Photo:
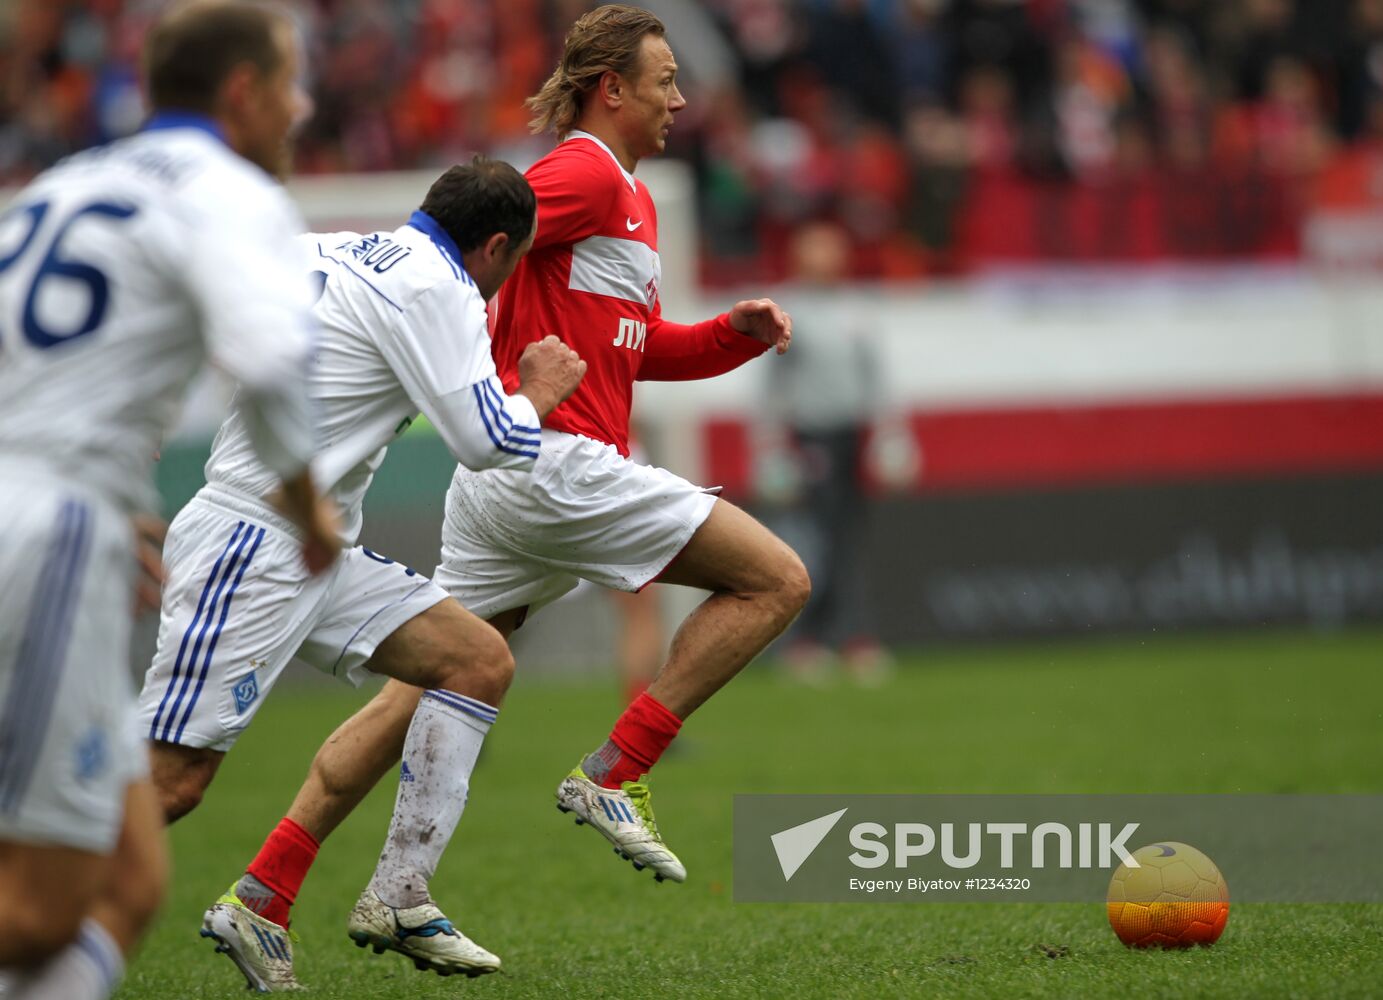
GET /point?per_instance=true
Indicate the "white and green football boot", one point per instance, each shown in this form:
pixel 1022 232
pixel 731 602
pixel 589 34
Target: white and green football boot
pixel 422 933
pixel 260 948
pixel 624 817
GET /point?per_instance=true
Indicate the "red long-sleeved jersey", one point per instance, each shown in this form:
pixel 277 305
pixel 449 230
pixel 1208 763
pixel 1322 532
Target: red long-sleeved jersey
pixel 592 279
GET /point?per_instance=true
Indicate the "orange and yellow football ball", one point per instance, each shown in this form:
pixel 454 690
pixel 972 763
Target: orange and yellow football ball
pixel 1174 899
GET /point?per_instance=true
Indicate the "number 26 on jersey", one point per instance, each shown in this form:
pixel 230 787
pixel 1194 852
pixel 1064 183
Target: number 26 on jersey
pixel 57 273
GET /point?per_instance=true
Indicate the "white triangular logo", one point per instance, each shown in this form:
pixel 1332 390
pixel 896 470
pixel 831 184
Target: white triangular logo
pixel 795 845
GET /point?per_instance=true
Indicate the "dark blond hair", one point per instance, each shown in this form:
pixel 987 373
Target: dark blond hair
pixel 607 40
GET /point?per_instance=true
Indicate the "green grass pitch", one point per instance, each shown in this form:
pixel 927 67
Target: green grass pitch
pixel 1266 713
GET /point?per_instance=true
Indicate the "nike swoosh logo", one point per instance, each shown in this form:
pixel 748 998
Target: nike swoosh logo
pixel 631 224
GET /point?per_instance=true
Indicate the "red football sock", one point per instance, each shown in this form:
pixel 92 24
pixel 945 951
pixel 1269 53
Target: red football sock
pixel 282 864
pixel 639 738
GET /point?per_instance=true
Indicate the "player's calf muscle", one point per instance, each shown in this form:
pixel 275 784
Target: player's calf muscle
pixel 370 740
pixel 353 759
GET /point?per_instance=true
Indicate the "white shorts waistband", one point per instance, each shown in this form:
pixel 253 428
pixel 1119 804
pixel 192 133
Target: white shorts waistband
pixel 245 505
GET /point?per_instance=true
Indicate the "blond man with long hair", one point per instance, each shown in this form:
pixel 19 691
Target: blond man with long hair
pixel 593 280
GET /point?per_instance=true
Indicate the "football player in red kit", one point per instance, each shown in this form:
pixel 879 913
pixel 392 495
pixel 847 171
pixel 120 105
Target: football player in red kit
pixel 592 279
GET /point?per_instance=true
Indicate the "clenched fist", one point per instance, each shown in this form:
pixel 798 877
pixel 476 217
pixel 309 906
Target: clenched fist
pixel 765 321
pixel 549 372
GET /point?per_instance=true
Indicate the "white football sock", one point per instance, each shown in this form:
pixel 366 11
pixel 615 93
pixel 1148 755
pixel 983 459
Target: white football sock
pixel 88 969
pixel 439 754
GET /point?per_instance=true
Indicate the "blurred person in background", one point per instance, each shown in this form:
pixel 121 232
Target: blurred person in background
pixel 827 394
pixel 122 270
pixel 642 642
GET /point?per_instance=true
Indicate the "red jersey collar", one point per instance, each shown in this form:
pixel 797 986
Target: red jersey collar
pixel 578 134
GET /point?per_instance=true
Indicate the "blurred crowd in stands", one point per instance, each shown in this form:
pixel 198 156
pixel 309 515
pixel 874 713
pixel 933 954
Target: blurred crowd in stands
pixel 938 132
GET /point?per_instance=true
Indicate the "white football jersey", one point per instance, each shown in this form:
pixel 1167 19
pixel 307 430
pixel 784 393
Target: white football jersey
pixel 121 270
pixel 402 329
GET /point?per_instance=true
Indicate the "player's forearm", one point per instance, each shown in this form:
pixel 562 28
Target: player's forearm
pixel 485 429
pixel 543 397
pixel 315 515
pixel 297 497
pixel 678 352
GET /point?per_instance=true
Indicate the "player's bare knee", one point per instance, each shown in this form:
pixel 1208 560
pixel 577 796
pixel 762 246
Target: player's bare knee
pixel 792 587
pixel 484 670
pixel 181 776
pixel 499 664
pixel 179 797
pixel 480 667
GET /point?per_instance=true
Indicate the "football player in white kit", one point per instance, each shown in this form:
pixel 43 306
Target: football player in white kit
pixel 121 270
pixel 403 329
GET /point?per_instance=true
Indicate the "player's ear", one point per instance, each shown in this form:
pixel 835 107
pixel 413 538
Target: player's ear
pixel 496 246
pixel 611 89
pixel 237 91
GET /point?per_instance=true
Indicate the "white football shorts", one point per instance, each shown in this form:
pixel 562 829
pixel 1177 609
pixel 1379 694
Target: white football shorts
pixel 238 606
pixel 585 512
pixel 68 745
